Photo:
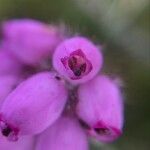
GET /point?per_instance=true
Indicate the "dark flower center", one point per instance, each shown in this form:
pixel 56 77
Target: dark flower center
pixel 77 64
pixel 102 131
pixel 6 131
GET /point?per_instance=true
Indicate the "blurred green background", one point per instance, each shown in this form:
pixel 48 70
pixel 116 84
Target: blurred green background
pixel 122 27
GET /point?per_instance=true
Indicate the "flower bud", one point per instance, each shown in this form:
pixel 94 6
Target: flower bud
pixel 8 63
pixel 30 40
pixel 7 84
pixel 34 105
pixel 24 143
pixel 64 134
pixel 100 106
pixel 77 59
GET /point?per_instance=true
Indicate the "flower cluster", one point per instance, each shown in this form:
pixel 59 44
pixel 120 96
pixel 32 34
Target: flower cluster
pixel 52 96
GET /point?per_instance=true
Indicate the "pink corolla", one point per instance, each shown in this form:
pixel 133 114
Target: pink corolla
pixel 29 40
pixel 24 143
pixel 8 63
pixel 34 105
pixel 100 107
pixel 65 134
pixel 77 59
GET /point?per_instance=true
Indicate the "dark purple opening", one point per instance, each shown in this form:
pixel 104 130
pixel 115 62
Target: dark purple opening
pixel 102 131
pixel 6 131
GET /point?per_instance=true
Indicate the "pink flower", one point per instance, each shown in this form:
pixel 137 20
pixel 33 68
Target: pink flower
pixel 64 134
pixel 100 107
pixel 29 40
pixel 35 100
pixel 34 105
pixel 77 59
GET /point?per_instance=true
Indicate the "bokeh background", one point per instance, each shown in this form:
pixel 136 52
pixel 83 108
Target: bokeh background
pixel 122 27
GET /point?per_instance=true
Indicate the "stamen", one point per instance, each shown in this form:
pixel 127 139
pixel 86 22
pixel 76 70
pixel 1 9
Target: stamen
pixel 72 62
pixel 77 72
pixel 77 65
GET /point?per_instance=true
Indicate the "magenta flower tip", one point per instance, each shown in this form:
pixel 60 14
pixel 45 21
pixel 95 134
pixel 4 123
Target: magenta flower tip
pixel 8 130
pixel 100 106
pixel 105 133
pixel 77 59
pixel 34 105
